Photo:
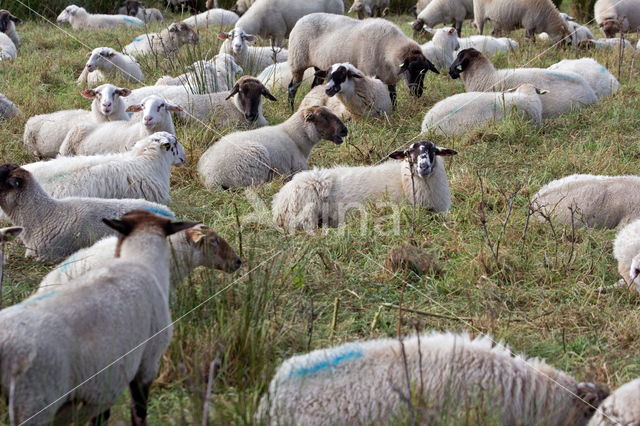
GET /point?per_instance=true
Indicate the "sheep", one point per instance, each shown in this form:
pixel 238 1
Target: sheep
pixel 606 43
pixel 7 48
pixel 577 33
pixel 440 50
pixel 488 45
pixel 622 407
pixel 253 157
pixel 44 134
pixel 216 75
pixel 79 19
pixel 67 356
pixel 536 16
pixel 165 43
pixel 193 247
pixel 567 90
pixel 212 18
pixel 601 80
pixel 102 138
pixel 446 375
pixel 375 46
pixel 277 76
pixel 140 11
pixel 105 63
pixel 251 58
pixel 617 16
pixel 589 201
pixel 8 110
pixel 626 250
pixel 350 94
pixel 375 8
pixel 322 197
pixel 8 26
pixel 241 6
pixel 463 112
pixel 452 12
pixel 55 228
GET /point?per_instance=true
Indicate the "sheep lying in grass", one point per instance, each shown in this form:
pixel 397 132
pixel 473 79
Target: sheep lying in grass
pixel 55 228
pixel 622 407
pixel 216 18
pixel 256 156
pixel 44 134
pixel 606 43
pixel 601 80
pixel 55 347
pixel 79 19
pixel 463 112
pixel 216 75
pixel 322 197
pixel 8 110
pixel 626 250
pixel 165 43
pixel 8 27
pixel 444 375
pixel 137 9
pixel 8 50
pixel 617 16
pixel 567 90
pixel 590 201
pixel 452 12
pixel 251 58
pixel 374 8
pixel 277 76
pixel 440 50
pixel 105 63
pixel 488 45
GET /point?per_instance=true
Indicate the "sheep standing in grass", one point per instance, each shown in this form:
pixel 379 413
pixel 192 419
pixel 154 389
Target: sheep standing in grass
pixel 105 64
pixel 216 18
pixel 165 43
pixel 374 8
pixel 488 45
pixel 257 156
pixel 137 9
pixel 277 76
pixel 216 75
pixel 79 19
pixel 452 12
pixel 8 26
pixel 322 197
pixel 601 80
pixel 567 90
pixel 622 407
pixel 446 376
pixel 440 50
pixel 251 58
pixel 617 16
pixel 589 201
pixel 8 110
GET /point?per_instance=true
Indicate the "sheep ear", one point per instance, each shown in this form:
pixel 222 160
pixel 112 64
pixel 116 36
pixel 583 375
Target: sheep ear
pixel 268 95
pixel 135 108
pixel 173 28
pixel 8 234
pixel 452 30
pixel 173 227
pixel 308 116
pixel 352 74
pixel 398 155
pixel 121 226
pixel 223 36
pixel 172 108
pixel 196 236
pixel 122 92
pixel 166 145
pixel 250 38
pixel 431 67
pixel 234 90
pixel 89 54
pixel 15 19
pixel 541 91
pixel 445 152
pixel 89 94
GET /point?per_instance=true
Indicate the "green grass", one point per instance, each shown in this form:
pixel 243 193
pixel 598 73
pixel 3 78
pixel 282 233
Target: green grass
pixel 538 293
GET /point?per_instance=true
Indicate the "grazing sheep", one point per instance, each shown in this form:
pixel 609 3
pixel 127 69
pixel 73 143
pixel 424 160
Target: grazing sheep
pixel 374 8
pixel 105 64
pixel 622 407
pixel 617 16
pixel 350 94
pixel 67 356
pixel 463 112
pixel 277 76
pixel 606 43
pixel 241 6
pixel 79 19
pixel 55 228
pixel 448 376
pixel 8 26
pixel 193 247
pixel 601 80
pixel 8 110
pixel 535 16
pixel 256 156
pixel 590 201
pixel 567 90
pixel 217 18
pixel 440 50
pixel 375 46
pixel 452 12
pixel 488 45
pixel 8 50
pixel 165 43
pixel 216 75
pixel 251 58
pixel 137 9
pixel 119 136
pixel 626 250
pixel 44 134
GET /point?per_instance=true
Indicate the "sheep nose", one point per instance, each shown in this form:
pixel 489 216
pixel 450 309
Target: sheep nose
pixel 107 104
pixel 343 132
pixel 148 119
pixel 251 116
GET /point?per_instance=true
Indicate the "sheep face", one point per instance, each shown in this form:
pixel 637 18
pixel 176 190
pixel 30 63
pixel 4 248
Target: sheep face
pixel 422 157
pixel 414 67
pixel 183 33
pixel 68 12
pixel 107 95
pixel 155 110
pixel 7 20
pixel 610 27
pixel 211 250
pixel 249 91
pixel 589 397
pixel 340 79
pixel 131 7
pixel 327 125
pixel 238 38
pixel 13 181
pixel 464 59
pixel 100 58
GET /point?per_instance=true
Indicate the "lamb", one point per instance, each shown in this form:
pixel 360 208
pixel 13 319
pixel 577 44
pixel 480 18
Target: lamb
pixel 55 228
pixel 488 45
pixel 8 110
pixel 216 75
pixel 217 18
pixel 463 112
pixel 441 48
pixel 277 76
pixel 91 138
pixel 375 46
pixel 140 11
pixel 601 80
pixel 375 8
pixel 251 58
pixel 626 250
pixel 367 383
pixel 622 407
pixel 589 201
pixel 193 247
pixel 105 64
pixel 165 43
pixel 452 12
pixel 577 33
pixel 8 50
pixel 241 6
pixel 567 90
pixel 536 16
pixel 617 16
pixel 8 26
pixel 44 134
pixel 80 19
pixel 350 94
pixel 253 157
pixel 67 355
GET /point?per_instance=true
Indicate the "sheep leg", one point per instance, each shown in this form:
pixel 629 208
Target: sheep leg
pixel 102 418
pixel 139 398
pixel 458 26
pixel 296 80
pixel 393 94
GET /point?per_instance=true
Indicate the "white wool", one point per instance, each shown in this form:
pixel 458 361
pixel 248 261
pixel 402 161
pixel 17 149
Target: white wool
pixel 216 18
pixel 278 76
pixel 8 49
pixel 105 64
pixel 165 43
pixel 8 109
pixel 487 45
pixel 622 407
pixel 441 48
pixel 251 58
pixel 215 75
pixel 601 80
pixel 79 18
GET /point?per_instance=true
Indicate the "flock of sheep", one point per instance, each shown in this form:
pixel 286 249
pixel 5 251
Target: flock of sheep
pixel 97 200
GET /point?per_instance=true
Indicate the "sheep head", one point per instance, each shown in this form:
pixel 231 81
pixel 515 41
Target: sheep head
pixel 327 125
pixel 249 91
pixel 6 18
pixel 414 66
pixel 463 61
pixel 422 156
pixel 211 249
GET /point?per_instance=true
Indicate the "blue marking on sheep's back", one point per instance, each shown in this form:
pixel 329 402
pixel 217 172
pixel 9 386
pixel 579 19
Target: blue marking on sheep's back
pixel 326 363
pixel 37 298
pixel 563 76
pixel 161 212
pixel 139 38
pixel 67 264
pixel 456 110
pixel 132 21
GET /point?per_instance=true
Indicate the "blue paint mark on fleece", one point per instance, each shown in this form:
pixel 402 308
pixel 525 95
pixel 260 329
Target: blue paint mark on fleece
pixel 67 264
pixel 602 69
pixel 327 363
pixel 37 298
pixel 139 38
pixel 455 110
pixel 563 76
pixel 161 212
pixel 132 21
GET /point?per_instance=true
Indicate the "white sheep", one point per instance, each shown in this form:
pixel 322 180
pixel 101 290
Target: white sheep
pixel 577 34
pixel 217 18
pixel 350 94
pixel 452 12
pixel 215 75
pixel 447 376
pixel 322 197
pixel 488 45
pixel 257 156
pixel 601 80
pixel 79 18
pixel 622 407
pixel 66 354
pixel 440 50
pixel 374 8
pixel 589 201
pixel 8 110
pixel 8 49
pixel 616 43
pixel 241 6
pixel 137 9
pixel 253 59
pixel 626 250
pixel 44 134
pixel 464 112
pixel 8 26
pixel 617 16
pixel 165 43
pixel 119 136
pixel 567 90
pixel 56 228
pixel 277 76
pixel 105 63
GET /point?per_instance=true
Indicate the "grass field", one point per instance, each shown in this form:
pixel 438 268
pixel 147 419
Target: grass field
pixel 527 283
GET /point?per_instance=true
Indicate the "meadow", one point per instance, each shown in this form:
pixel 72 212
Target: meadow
pixel 531 284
